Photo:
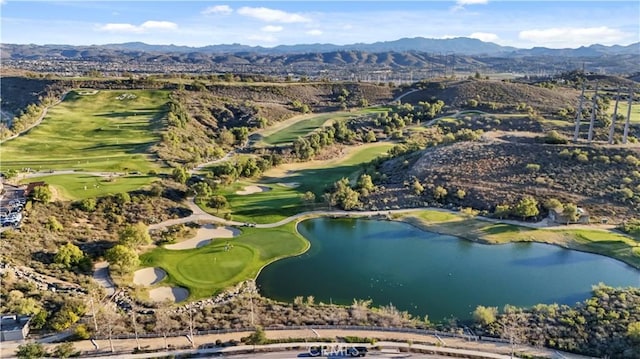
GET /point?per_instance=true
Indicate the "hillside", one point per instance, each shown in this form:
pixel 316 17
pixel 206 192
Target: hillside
pixel 502 96
pixel 501 171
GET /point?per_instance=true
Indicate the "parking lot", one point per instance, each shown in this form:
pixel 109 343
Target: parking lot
pixel 11 205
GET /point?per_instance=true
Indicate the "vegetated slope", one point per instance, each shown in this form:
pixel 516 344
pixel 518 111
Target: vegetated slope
pixel 505 95
pixel 218 117
pixel 19 92
pixel 604 181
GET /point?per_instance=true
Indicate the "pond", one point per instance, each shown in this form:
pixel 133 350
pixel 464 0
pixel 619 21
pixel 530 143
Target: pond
pixel 426 273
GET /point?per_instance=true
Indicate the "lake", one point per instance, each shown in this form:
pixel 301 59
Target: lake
pixel 428 273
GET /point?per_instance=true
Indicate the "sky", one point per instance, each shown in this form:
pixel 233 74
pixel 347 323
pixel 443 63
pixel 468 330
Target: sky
pixel 522 24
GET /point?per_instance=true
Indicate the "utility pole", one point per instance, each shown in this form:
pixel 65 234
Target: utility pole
pixel 628 121
pixel 594 110
pixel 613 118
pixel 576 133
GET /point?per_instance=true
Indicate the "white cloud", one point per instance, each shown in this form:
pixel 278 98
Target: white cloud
pixel 460 4
pixel 159 25
pixel 2 2
pixel 272 28
pixel 271 15
pixel 314 32
pixel 573 36
pixel 484 36
pixel 217 9
pixel 144 27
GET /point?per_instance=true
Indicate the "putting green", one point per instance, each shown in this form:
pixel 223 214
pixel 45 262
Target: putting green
pixel 209 269
pixel 205 269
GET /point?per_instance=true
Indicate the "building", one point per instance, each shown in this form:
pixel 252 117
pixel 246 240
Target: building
pixel 14 327
pixel 556 216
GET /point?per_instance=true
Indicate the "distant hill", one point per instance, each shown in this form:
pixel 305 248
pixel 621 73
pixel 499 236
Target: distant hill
pixel 459 45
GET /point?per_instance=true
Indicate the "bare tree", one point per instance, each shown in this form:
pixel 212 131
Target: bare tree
pixel 164 323
pixel 109 320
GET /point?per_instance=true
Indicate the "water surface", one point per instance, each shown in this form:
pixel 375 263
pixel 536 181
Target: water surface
pixel 427 273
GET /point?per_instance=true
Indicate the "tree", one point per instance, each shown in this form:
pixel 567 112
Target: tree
pixel 418 188
pixel 180 175
pixel 633 331
pixel 485 315
pixel 370 136
pixel 344 196
pixel 461 193
pixel 164 323
pixel 570 213
pixel 502 211
pixel 30 351
pixel 526 207
pixel 308 198
pixel 53 224
pixel 218 202
pixel 553 203
pixel 365 182
pixel 65 350
pixel 42 194
pixel 69 255
pixel 123 258
pixel 257 337
pixel 439 193
pixel 88 204
pixel 134 236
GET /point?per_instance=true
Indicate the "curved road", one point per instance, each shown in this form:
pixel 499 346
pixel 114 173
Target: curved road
pixel 200 215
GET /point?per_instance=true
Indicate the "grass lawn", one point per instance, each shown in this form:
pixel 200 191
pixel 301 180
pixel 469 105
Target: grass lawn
pixel 72 186
pixel 96 132
pixel 608 243
pixel 283 201
pixel 209 269
pixel 305 124
pixel 623 107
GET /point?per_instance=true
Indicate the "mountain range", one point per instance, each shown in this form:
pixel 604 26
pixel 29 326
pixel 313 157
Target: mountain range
pixel 458 46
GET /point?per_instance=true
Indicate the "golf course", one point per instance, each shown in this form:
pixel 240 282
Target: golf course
pixel 93 131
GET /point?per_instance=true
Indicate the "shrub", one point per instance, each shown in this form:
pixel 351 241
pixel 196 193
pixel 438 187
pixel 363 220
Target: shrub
pixel 555 138
pixel 532 167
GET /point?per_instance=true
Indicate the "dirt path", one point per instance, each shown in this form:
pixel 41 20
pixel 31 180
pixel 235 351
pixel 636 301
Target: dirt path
pixel 101 275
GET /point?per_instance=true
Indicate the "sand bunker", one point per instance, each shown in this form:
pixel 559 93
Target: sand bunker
pixel 253 189
pixel 204 236
pixel 174 294
pixel 148 276
pixel 290 184
pixel 87 93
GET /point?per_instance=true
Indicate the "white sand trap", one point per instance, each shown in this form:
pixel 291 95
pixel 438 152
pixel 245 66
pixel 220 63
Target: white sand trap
pixel 174 294
pixel 204 236
pixel 253 189
pixel 148 276
pixel 87 93
pixel 290 184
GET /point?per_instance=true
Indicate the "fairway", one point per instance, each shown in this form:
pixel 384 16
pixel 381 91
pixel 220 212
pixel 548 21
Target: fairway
pixel 623 107
pixel 300 126
pixel 105 131
pixel 210 269
pixel 81 186
pixel 284 201
pixel 303 127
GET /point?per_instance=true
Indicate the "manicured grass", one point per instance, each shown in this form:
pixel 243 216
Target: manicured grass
pixel 623 107
pixel 209 269
pixel 608 243
pixel 281 201
pixel 307 124
pixel 96 132
pixel 301 128
pixel 72 186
